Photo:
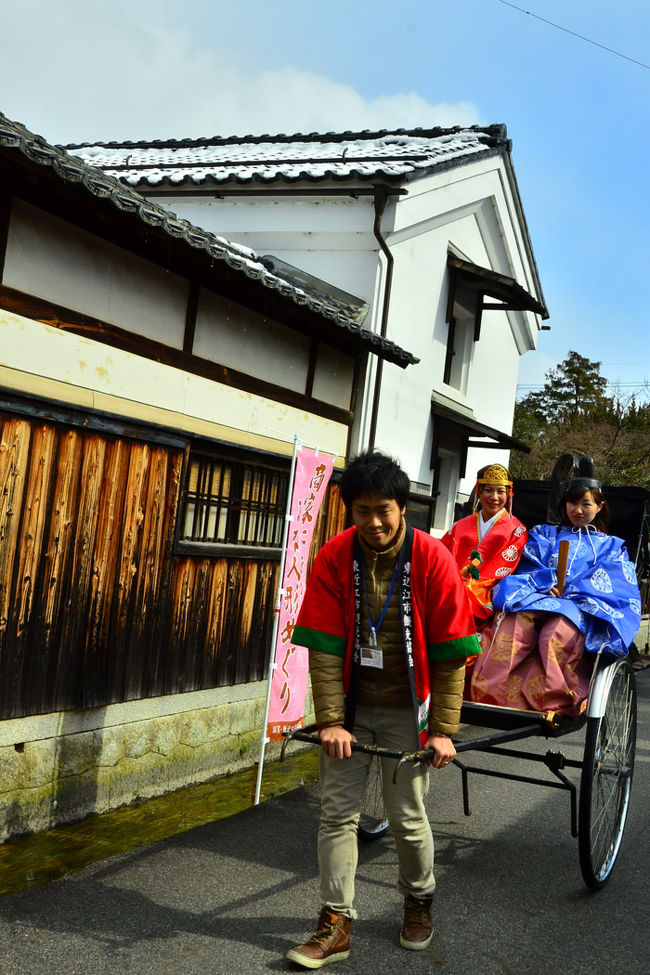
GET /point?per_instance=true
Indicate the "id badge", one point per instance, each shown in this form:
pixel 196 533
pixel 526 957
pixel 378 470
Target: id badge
pixel 372 657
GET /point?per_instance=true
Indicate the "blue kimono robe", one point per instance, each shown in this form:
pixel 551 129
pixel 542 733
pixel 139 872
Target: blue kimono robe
pixel 601 594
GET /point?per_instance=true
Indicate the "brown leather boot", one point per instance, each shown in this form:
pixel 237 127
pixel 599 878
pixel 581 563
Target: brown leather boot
pixel 331 942
pixel 417 927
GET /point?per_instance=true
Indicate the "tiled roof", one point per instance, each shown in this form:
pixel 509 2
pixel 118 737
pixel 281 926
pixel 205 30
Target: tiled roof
pixel 15 138
pixel 386 156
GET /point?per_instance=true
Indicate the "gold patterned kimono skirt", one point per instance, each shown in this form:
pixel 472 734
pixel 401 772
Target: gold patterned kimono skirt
pixel 534 661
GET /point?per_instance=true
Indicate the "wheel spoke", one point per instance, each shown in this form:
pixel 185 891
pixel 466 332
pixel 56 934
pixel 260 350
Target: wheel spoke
pixel 373 822
pixel 607 778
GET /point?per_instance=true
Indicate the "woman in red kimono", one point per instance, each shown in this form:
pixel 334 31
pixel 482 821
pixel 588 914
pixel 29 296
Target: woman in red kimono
pixel 487 545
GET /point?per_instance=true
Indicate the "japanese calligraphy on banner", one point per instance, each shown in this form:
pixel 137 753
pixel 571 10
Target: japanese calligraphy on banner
pixel 289 677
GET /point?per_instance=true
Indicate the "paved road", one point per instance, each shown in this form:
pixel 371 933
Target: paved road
pixel 232 896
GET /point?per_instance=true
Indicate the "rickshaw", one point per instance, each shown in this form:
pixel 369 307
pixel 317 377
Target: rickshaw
pixel 598 809
pixel 599 805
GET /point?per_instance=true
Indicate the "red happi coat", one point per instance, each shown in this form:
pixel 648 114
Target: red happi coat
pixel 437 622
pixel 500 551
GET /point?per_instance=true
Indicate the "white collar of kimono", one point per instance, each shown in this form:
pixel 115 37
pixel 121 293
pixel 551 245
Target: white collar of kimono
pixel 484 526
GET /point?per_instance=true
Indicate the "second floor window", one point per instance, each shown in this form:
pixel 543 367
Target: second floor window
pixel 460 342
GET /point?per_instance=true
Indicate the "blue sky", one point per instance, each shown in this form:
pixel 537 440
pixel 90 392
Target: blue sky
pixel 578 116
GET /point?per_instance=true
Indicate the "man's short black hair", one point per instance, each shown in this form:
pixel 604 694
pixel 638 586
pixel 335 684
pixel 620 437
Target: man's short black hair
pixel 374 473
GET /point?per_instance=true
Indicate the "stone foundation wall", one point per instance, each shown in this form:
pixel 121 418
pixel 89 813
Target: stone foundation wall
pixel 60 768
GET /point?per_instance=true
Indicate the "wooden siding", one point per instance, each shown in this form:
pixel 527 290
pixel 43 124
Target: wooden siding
pixel 94 606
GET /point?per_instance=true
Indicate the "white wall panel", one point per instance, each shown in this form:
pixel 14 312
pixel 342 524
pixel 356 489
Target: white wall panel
pixel 333 377
pixel 243 340
pixel 51 259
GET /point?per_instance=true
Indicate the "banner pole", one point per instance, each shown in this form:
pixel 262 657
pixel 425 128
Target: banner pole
pixel 297 444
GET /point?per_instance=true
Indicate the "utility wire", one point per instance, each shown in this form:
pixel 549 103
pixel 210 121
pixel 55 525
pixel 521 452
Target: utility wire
pixel 626 382
pixel 574 34
pixel 639 386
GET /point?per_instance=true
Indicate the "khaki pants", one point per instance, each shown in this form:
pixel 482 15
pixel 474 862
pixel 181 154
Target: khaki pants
pixel 342 786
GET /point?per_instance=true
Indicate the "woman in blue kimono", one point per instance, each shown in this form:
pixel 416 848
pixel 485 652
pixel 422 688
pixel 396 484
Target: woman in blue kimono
pixel 539 652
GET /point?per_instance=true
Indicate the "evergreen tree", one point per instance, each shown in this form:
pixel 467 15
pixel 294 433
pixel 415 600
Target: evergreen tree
pixel 572 415
pixel 574 388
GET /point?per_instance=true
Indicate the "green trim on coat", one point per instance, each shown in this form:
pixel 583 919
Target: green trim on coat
pixel 315 640
pixel 466 646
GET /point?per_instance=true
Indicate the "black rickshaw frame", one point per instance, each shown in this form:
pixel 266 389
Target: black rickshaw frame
pixel 598 810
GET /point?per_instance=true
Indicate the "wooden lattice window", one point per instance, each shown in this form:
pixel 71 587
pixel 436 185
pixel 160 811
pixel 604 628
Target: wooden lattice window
pixel 231 502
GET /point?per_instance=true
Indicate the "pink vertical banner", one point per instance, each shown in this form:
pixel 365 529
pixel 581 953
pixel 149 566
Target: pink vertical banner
pixel 290 672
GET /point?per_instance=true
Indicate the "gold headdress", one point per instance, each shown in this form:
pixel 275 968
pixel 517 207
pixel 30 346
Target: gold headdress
pixel 494 474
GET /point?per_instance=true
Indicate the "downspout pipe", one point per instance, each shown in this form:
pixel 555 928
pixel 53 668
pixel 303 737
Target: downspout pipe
pixel 381 195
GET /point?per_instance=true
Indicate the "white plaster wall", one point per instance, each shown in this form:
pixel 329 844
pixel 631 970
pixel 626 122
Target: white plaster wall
pixel 418 316
pixel 330 238
pixel 241 339
pixel 54 260
pixel 45 361
pixel 333 377
pixel 483 190
pixel 472 207
pixel 478 222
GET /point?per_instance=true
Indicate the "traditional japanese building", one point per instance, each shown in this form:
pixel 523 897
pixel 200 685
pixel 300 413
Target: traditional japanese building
pixel 424 229
pixel 153 377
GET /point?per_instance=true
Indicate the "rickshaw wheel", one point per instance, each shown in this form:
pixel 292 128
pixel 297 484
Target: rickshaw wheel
pixel 606 779
pixel 373 822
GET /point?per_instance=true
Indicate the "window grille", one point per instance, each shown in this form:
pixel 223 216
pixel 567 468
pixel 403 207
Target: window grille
pixel 230 502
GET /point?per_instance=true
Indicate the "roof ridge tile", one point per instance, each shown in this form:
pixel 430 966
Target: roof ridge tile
pixel 497 130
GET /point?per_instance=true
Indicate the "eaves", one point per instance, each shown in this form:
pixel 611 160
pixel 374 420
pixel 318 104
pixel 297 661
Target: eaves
pixel 26 156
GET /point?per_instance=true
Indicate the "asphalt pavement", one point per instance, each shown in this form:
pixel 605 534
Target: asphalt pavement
pixel 233 896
